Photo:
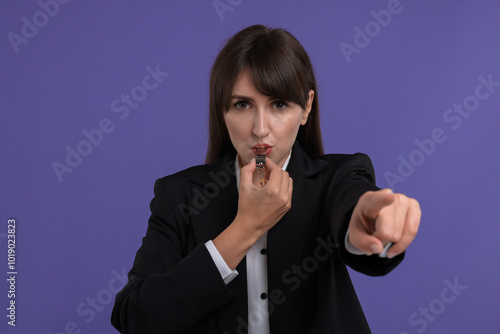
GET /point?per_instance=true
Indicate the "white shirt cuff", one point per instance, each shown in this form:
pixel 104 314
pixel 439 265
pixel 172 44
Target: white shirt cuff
pixel 227 274
pixel 350 248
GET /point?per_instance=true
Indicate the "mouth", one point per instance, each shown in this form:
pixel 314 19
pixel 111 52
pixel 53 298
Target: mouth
pixel 263 149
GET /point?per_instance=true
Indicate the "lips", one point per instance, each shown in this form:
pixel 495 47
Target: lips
pixel 262 149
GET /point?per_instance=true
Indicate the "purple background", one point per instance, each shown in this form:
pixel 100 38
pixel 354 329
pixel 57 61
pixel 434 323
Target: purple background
pixel 74 236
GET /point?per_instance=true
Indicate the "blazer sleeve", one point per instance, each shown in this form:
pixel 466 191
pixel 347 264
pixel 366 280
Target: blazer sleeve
pixel 356 176
pixel 171 287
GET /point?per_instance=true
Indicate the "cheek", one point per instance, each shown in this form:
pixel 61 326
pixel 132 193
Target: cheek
pixel 235 126
pixel 288 127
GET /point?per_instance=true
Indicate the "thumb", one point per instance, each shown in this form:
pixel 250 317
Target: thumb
pixel 365 242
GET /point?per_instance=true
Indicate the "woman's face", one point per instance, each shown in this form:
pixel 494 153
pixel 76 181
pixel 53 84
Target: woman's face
pixel 258 124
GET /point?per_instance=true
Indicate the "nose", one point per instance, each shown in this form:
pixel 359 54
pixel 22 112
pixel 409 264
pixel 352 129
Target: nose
pixel 261 123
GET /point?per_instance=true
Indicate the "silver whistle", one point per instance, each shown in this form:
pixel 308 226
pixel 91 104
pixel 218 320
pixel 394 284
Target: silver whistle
pixel 260 161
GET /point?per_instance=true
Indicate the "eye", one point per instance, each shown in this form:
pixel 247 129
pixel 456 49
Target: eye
pixel 241 105
pixel 280 105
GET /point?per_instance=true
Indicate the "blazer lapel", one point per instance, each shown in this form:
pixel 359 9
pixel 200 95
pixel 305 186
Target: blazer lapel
pixel 215 196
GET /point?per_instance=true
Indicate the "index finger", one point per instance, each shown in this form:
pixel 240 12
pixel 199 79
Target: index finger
pixel 274 173
pixel 270 167
pixel 372 202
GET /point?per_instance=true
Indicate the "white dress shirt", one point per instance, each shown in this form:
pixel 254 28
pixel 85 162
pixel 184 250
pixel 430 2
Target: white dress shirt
pixel 256 260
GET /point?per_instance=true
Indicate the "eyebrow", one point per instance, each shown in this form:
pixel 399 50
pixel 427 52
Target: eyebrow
pixel 241 97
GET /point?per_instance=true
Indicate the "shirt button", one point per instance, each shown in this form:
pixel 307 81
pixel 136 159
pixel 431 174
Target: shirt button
pixel 263 251
pixel 263 295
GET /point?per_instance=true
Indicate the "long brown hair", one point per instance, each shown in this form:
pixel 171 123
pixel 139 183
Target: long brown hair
pixel 279 67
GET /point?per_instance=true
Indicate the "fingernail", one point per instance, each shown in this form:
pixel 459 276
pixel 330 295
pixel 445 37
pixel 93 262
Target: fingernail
pixel 376 248
pixel 390 255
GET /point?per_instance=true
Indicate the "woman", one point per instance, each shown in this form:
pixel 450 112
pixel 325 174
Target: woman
pixel 226 252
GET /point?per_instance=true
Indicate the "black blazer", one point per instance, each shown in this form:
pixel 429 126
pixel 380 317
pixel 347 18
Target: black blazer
pixel 175 287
